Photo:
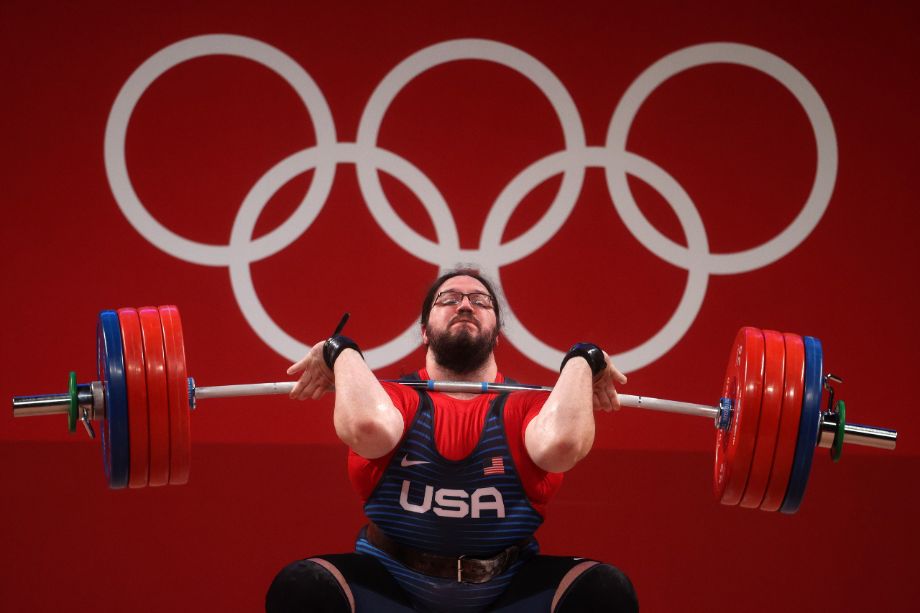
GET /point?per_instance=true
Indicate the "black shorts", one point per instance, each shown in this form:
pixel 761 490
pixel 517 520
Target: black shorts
pixel 307 586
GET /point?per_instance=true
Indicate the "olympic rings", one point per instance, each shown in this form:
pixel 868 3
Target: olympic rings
pixel 491 254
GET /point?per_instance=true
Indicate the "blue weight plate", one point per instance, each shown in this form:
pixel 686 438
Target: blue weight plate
pixel 111 367
pixel 808 426
pixel 101 360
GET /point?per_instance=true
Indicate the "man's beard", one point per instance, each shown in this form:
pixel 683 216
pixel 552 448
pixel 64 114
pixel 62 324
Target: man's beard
pixel 461 352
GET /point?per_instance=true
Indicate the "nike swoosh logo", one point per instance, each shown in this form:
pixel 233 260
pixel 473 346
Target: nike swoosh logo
pixel 407 462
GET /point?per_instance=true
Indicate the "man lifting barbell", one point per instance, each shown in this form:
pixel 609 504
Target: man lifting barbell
pixel 455 484
pixel 434 528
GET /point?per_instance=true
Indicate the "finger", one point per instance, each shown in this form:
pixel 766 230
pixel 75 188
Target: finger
pixel 611 403
pixel 303 384
pixel 618 376
pixel 306 392
pixel 614 399
pixel 603 399
pixel 298 366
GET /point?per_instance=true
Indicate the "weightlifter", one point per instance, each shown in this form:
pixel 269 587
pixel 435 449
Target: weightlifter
pixel 455 485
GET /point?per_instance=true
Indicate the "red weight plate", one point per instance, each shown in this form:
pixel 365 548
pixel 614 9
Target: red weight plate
pixel 136 380
pixel 788 424
pixel 770 410
pixel 180 451
pixel 157 395
pixel 744 386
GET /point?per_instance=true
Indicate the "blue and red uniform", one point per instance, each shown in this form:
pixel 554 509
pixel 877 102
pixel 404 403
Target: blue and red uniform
pixel 457 426
pixel 460 483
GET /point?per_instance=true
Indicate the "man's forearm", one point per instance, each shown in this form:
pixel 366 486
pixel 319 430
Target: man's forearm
pixel 563 432
pixel 365 418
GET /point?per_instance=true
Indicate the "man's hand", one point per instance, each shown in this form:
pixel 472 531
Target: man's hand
pixel 316 379
pixel 604 387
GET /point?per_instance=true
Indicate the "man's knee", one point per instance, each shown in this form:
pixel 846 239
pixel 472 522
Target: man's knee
pixel 307 585
pixel 601 587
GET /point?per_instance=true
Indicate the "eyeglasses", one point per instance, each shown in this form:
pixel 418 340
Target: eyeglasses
pixel 453 298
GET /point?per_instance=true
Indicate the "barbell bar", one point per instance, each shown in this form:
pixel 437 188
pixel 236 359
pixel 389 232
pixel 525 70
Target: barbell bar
pixel 866 436
pixel 768 420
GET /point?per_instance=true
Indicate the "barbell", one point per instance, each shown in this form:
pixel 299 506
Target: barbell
pixel 768 421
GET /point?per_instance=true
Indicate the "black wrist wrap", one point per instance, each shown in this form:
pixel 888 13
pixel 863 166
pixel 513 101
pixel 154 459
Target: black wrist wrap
pixel 336 345
pixel 590 352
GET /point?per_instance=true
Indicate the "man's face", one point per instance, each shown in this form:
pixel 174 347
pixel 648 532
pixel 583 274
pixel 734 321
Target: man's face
pixel 461 336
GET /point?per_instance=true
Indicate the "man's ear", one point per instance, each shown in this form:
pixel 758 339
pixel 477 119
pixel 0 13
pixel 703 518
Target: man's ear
pixel 424 335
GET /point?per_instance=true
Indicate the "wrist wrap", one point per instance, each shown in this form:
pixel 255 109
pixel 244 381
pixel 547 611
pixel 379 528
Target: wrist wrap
pixel 335 345
pixel 590 352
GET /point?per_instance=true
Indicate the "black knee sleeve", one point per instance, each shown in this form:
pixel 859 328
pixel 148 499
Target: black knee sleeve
pixel 305 586
pixel 600 588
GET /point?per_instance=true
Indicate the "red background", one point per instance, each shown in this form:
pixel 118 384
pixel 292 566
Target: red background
pixel 268 478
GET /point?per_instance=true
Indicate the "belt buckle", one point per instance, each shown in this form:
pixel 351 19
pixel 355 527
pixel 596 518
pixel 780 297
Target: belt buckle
pixel 460 568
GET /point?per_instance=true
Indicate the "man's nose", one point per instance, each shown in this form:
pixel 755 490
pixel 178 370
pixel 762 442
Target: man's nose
pixel 465 304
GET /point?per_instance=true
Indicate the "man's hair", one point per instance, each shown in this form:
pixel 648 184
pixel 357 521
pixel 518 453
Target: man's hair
pixel 460 272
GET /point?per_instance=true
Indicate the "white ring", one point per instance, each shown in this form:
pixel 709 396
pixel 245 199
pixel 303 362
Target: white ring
pixel 693 228
pixel 419 62
pixel 256 200
pixel 804 92
pixel 117 127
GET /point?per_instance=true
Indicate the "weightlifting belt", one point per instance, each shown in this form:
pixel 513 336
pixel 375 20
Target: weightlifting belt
pixel 462 568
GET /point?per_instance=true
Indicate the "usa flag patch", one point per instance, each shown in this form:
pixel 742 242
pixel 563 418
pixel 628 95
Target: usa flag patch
pixel 495 466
